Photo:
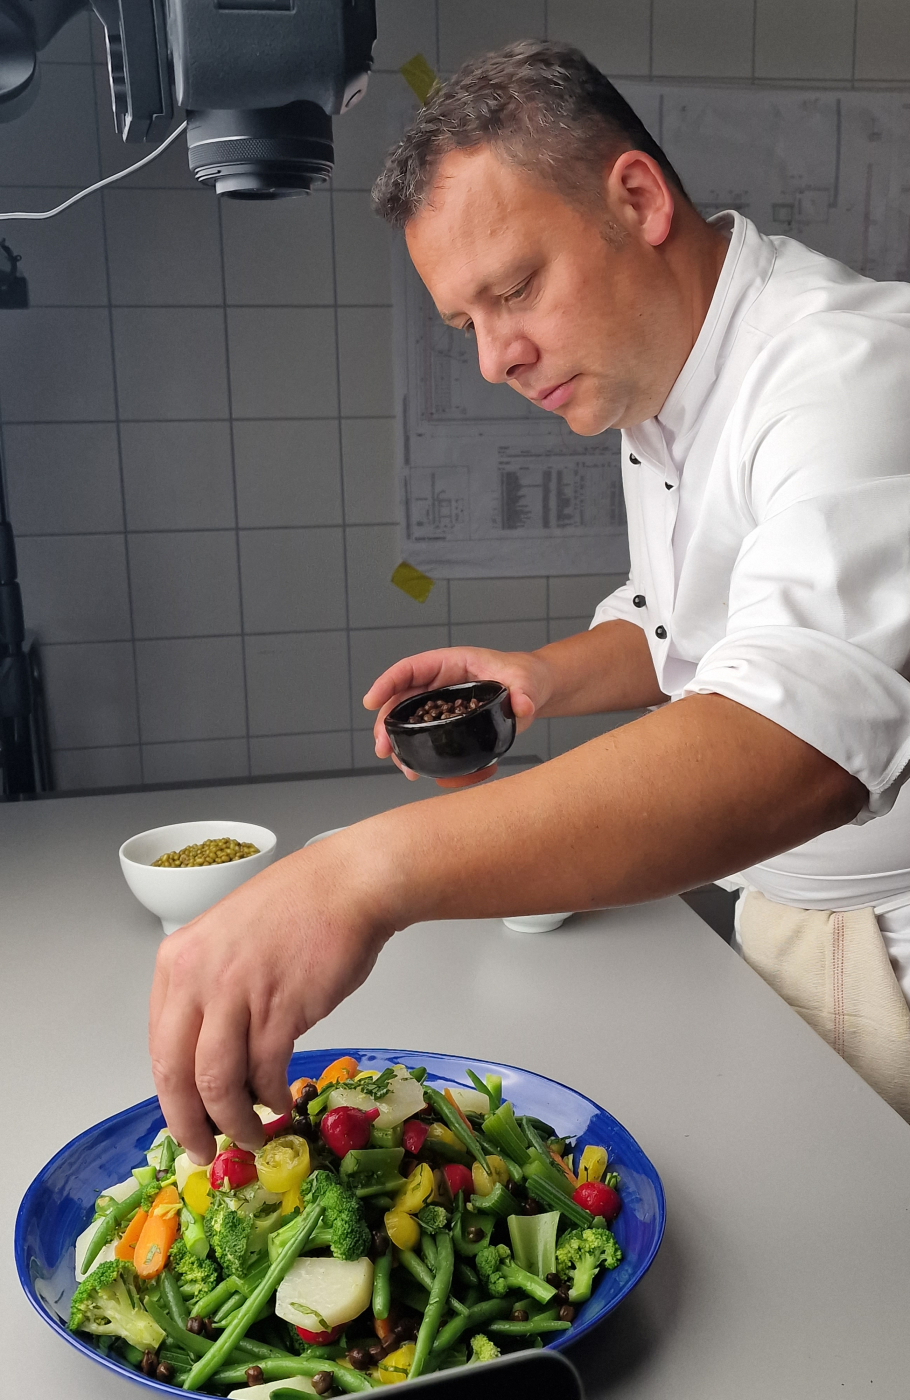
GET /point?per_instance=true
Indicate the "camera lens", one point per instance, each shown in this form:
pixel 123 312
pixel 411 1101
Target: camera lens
pixel 261 153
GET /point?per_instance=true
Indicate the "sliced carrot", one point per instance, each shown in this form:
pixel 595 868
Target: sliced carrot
pixel 158 1233
pixel 562 1166
pixel 450 1098
pixel 126 1245
pixel 382 1326
pixel 337 1071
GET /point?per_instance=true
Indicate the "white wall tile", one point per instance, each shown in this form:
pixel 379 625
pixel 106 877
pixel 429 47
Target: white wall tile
pixel 62 477
pixel 800 40
pixel 497 599
pixel 282 362
pixel 403 28
pixel 614 34
pixel 55 365
pixel 373 600
pixel 91 694
pixel 74 587
pixel 882 40
pixel 570 731
pixel 78 769
pixel 298 682
pixel 468 28
pixel 299 753
pixel 365 359
pixel 54 142
pixel 185 584
pixel 571 597
pixel 364 135
pixel 702 38
pixel 293 580
pixel 288 472
pixel 370 471
pixel 278 252
pixel 500 636
pixel 177 476
pixel 200 760
pixel 62 258
pixel 191 689
pixel 163 247
pixel 363 248
pixel 374 651
pixel 170 362
pixel 71 45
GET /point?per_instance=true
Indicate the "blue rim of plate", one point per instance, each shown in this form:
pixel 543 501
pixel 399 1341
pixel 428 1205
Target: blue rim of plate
pixel 622 1148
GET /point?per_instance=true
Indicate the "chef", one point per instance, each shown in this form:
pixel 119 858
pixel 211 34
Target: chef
pixel 761 390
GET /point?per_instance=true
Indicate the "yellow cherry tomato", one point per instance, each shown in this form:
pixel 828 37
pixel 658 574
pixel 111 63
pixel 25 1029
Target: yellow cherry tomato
pixel 196 1191
pixel 417 1190
pixel 283 1163
pixel 445 1144
pixel 395 1367
pixel 402 1229
pixel 483 1181
pixel 593 1164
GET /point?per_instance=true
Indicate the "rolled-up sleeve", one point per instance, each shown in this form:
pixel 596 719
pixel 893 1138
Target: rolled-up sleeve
pixel 618 605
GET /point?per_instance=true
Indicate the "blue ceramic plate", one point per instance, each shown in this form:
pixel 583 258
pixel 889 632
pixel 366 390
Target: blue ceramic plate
pixel 59 1203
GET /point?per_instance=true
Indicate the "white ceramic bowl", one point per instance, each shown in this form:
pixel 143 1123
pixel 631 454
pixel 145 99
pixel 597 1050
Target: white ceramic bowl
pixel 179 894
pixel 536 923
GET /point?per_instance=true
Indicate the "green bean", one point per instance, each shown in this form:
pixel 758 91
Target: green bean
pixel 492 1150
pixel 168 1155
pixel 233 1303
pixel 416 1268
pixel 251 1281
pixel 465 1274
pixel 173 1298
pixel 428 1249
pixel 210 1304
pixel 381 1293
pixel 244 1316
pixel 477 1316
pixel 531 1328
pixel 454 1121
pixel 410 1293
pixel 419 1074
pixel 107 1226
pixel 439 1293
pixel 188 1340
pixel 273 1369
pixel 131 1354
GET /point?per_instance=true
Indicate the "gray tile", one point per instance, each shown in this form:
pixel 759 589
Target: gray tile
pixel 882 41
pixel 72 44
pixel 571 597
pixel 76 770
pixel 614 34
pixel 364 135
pixel 191 689
pixel 299 753
pixel 298 683
pixel 278 253
pixel 362 252
pixel 468 28
pixel 62 477
pixel 91 694
pixel 404 27
pixel 74 587
pixel 62 258
pixel 703 38
pixel 370 471
pixel 293 580
pixel 374 651
pixel 792 43
pixel 365 757
pixel 54 142
pixel 185 584
pixel 365 361
pixel 170 362
pixel 55 365
pixel 562 627
pixel 283 362
pixel 501 636
pixel 497 599
pixel 374 551
pixel 531 743
pixel 200 760
pixel 170 170
pixel 570 731
pixel 288 472
pixel 177 476
pixel 163 247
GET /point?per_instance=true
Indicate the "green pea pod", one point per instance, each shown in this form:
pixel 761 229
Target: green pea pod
pixel 382 1296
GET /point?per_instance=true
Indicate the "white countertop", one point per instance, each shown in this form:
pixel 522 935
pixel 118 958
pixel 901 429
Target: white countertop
pixel 785 1268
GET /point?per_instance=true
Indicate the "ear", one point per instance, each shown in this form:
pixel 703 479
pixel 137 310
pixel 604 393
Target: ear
pixel 638 192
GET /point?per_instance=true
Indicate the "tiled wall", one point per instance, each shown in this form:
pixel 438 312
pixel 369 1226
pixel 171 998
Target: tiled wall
pixel 197 408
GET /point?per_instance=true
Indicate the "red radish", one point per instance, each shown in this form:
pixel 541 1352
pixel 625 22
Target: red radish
pixel 274 1127
pixel 598 1199
pixel 458 1177
pixel 233 1168
pixel 320 1339
pixel 414 1135
pixel 345 1129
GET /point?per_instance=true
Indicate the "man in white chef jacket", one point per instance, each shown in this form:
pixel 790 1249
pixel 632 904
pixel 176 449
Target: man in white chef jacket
pixel 762 394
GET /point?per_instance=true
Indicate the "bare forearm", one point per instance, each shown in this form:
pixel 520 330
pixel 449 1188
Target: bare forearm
pixel 607 668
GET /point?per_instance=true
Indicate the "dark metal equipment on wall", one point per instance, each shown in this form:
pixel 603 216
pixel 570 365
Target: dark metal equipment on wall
pixel 24 751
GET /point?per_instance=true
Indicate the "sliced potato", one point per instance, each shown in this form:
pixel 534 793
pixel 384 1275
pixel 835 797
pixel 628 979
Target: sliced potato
pixel 261 1392
pixel 104 1257
pixel 319 1293
pixel 471 1101
pixel 403 1099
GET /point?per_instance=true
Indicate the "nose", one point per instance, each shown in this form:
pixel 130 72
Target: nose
pixel 503 355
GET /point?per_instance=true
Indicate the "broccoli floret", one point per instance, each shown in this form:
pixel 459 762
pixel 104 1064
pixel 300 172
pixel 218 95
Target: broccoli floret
pixel 107 1304
pixel 434 1219
pixel 228 1232
pixel 500 1275
pixel 198 1274
pixel 580 1253
pixel 482 1349
pixel 343 1214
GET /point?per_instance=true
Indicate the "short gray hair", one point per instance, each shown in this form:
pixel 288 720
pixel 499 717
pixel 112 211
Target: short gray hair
pixel 543 106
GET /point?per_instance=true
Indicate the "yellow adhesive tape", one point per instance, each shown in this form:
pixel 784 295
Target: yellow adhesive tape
pixel 418 75
pixel 411 581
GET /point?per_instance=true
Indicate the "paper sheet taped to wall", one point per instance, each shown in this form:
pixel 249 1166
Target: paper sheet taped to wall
pixel 492 486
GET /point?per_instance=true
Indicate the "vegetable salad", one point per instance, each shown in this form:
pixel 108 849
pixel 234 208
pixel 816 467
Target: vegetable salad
pixel 387 1229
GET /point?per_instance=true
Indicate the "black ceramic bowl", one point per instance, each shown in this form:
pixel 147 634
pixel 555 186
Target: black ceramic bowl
pixel 451 748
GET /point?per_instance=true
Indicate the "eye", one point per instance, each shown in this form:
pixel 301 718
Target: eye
pixel 518 293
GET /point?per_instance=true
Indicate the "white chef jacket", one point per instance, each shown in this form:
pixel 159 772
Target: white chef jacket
pixel 769 532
